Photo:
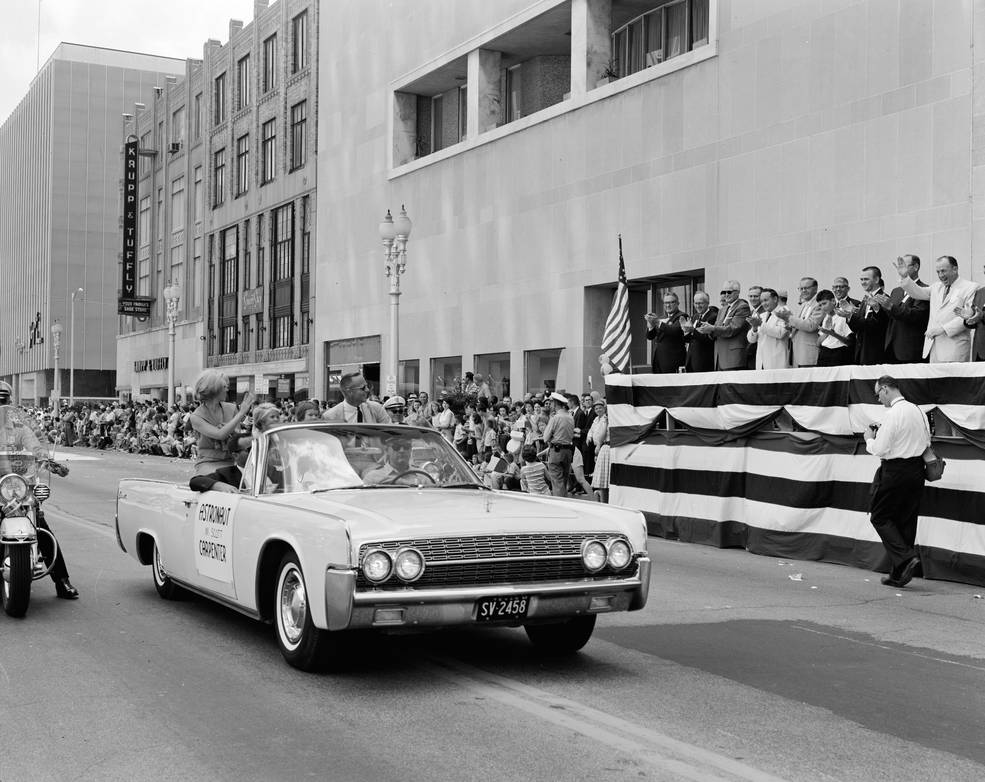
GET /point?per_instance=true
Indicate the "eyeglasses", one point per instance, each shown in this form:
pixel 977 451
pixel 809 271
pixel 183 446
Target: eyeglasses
pixel 805 287
pixel 726 293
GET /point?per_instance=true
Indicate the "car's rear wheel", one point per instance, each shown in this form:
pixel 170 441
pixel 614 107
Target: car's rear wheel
pixel 165 587
pixel 303 645
pixel 559 638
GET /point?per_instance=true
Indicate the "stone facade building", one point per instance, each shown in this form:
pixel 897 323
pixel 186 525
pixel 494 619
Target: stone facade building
pixel 227 212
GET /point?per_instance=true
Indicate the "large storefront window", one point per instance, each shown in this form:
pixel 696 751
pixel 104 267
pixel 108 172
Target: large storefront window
pixel 360 354
pixel 495 370
pixel 446 374
pixel 409 378
pixel 541 369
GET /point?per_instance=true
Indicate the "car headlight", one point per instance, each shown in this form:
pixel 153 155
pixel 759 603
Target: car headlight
pixel 619 553
pixel 13 487
pixel 408 564
pixel 593 555
pixel 377 566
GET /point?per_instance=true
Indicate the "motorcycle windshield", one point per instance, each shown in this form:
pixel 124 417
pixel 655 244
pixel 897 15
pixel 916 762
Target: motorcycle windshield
pixel 23 444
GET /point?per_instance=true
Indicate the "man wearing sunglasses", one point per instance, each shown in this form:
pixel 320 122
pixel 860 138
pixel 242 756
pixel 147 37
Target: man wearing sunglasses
pixel 729 331
pixel 355 407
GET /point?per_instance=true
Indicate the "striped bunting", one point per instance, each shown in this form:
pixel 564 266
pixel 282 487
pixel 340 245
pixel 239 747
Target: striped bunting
pixel 790 498
pixel 830 400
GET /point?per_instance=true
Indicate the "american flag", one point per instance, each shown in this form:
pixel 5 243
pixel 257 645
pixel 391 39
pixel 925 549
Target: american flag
pixel 616 338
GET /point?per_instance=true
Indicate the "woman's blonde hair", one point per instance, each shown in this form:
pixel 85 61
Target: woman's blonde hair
pixel 262 412
pixel 211 384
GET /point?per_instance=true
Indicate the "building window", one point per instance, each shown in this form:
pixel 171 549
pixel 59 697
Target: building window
pixel 242 164
pixel 282 326
pixel 143 275
pixel 437 122
pixel 246 333
pixel 220 98
pixel 176 271
pixel 283 243
pixel 514 92
pixel 446 372
pixel 261 250
pixel 219 181
pixel 143 222
pixel 178 125
pixel 541 370
pixel 230 260
pixel 178 204
pixel 198 205
pixel 299 42
pixel 306 235
pixel 463 115
pixel 259 328
pixel 659 35
pixel 495 371
pixel 270 63
pixel 247 261
pixel 243 82
pixel 228 336
pixel 159 217
pixel 197 120
pixel 299 123
pixel 145 144
pixel 268 150
pixel 195 281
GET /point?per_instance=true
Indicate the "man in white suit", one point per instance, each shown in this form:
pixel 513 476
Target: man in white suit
pixel 804 324
pixel 946 338
pixel 355 408
pixel 770 333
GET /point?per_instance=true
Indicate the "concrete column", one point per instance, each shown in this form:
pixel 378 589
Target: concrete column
pixel 591 42
pixel 404 127
pixel 484 98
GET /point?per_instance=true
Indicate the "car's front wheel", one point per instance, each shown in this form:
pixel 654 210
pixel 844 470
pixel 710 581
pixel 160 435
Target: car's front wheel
pixel 303 645
pixel 565 637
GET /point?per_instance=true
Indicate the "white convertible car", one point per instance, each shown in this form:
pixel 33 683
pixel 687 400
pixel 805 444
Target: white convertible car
pixel 339 527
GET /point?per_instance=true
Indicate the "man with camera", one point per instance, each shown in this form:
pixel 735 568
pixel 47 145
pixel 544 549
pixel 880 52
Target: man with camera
pixel 898 483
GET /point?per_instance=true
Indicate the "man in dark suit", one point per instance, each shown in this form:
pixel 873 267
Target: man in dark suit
pixel 700 347
pixel 757 310
pixel 907 319
pixel 870 321
pixel 729 331
pixel 669 351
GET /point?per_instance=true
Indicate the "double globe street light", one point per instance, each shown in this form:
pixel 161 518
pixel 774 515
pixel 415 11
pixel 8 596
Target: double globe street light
pixel 394 234
pixel 79 292
pixel 56 343
pixel 172 295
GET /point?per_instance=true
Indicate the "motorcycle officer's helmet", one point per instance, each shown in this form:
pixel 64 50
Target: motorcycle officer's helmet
pixel 6 392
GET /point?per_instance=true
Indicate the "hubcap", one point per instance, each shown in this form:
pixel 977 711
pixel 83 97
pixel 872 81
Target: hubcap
pixel 158 567
pixel 293 605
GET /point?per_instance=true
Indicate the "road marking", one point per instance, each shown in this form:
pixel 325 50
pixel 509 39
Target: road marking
pixel 76 457
pixel 94 526
pixel 684 761
pixel 859 641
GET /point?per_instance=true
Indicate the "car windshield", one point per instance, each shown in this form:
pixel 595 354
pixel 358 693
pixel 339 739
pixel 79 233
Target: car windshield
pixel 322 458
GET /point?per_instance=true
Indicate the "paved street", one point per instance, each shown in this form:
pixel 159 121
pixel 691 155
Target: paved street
pixel 734 671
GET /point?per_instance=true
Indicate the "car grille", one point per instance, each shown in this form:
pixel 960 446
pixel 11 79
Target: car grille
pixel 489 560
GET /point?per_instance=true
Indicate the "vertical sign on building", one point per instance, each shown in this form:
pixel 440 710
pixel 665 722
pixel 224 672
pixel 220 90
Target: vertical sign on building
pixel 130 303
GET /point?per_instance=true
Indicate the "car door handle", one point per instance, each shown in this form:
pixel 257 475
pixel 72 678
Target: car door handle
pixel 188 503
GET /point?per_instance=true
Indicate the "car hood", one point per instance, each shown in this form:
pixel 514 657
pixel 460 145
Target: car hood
pixel 380 514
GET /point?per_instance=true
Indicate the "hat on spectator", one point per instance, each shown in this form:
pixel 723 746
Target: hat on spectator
pixel 555 396
pixel 394 402
pixel 412 397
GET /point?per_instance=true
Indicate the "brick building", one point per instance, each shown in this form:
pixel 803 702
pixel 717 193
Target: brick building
pixel 226 217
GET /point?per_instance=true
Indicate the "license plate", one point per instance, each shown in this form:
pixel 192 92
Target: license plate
pixel 492 609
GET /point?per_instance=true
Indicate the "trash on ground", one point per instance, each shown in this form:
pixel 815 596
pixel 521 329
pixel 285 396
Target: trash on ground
pixel 796 576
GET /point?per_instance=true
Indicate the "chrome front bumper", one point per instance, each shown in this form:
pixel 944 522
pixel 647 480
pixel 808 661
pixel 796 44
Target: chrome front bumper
pixel 346 609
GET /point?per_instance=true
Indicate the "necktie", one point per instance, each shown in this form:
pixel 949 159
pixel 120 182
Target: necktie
pixel 359 414
pixel 829 322
pixel 947 290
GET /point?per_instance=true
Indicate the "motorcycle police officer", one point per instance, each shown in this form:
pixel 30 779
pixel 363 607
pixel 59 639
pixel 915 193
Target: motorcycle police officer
pixel 14 432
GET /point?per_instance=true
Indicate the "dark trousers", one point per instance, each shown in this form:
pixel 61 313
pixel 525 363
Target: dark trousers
pixel 59 571
pixel 834 357
pixel 894 505
pixel 559 468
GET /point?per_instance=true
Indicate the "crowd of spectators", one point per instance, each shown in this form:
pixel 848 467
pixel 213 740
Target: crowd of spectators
pixel 910 322
pixel 503 439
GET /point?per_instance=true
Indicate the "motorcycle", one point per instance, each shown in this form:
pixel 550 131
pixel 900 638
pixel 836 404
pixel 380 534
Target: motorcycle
pixel 26 466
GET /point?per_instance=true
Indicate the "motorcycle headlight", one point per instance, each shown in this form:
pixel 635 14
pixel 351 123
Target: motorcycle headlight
pixel 13 488
pixel 593 555
pixel 619 553
pixel 408 564
pixel 377 566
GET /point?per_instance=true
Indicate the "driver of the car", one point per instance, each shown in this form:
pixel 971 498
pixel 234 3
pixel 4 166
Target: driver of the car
pixel 397 453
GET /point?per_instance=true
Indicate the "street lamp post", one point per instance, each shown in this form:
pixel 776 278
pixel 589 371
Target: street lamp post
pixel 56 343
pixel 172 295
pixel 394 234
pixel 71 346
